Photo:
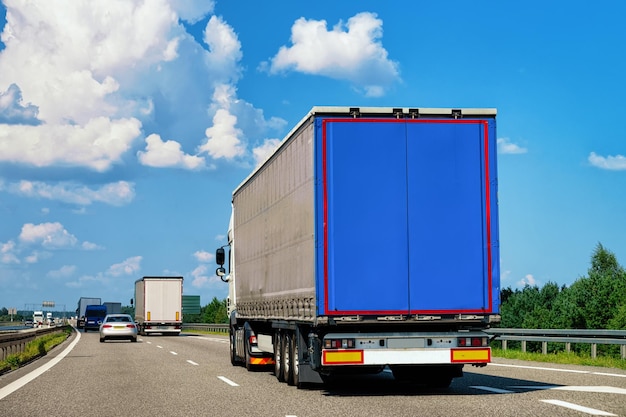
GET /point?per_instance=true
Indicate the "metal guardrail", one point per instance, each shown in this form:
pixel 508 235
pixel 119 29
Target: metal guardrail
pixel 12 342
pixel 566 336
pixel 215 328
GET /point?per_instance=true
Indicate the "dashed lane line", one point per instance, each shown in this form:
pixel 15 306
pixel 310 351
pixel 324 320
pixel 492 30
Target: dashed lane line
pixel 543 368
pixel 228 381
pixel 492 389
pixel 572 406
pixel 192 362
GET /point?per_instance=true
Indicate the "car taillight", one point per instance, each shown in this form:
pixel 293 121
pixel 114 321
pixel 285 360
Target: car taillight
pixel 107 326
pixel 473 342
pixel 339 344
pixel 130 326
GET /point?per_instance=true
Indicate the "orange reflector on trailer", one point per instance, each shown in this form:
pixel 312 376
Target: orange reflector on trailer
pixel 471 355
pixel 342 357
pixel 261 361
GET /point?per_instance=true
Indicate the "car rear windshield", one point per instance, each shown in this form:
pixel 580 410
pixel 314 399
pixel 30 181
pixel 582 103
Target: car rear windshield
pixel 119 319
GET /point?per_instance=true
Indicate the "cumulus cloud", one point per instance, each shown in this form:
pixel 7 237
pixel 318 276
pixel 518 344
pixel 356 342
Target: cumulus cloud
pixel 222 139
pixel 224 50
pixel 129 266
pixel 261 153
pixel 48 235
pixel 63 272
pixel 168 154
pixel 350 52
pixel 203 256
pixel 612 163
pixel 12 111
pixel 8 253
pixel 529 280
pixel 115 194
pixel 96 145
pixel 505 146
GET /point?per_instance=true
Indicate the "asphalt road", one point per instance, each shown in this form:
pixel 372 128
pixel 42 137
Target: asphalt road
pixel 192 376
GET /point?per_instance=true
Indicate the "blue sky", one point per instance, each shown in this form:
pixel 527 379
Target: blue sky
pixel 125 126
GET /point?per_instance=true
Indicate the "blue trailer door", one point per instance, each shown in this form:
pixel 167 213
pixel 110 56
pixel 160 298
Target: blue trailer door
pixel 363 255
pixel 449 217
pixel 404 216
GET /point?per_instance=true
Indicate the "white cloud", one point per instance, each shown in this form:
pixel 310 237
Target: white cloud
pixel 613 163
pixel 63 272
pixel 223 137
pixel 528 280
pixel 8 253
pixel 12 111
pixel 48 235
pixel 203 256
pixel 97 145
pixel 129 266
pixel 192 10
pixel 224 50
pixel 115 194
pixel 347 52
pixel 168 154
pixel 505 146
pixel 90 246
pixel 261 153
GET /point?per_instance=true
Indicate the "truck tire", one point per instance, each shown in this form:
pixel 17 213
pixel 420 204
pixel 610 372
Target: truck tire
pixel 233 357
pixel 295 360
pixel 279 370
pixel 287 360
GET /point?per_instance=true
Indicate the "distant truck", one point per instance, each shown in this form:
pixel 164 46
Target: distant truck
pixel 94 316
pixel 38 318
pixel 113 308
pixel 158 305
pixel 368 239
pixel 83 302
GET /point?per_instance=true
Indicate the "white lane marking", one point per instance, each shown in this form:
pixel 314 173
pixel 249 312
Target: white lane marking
pixel 492 389
pixel 595 389
pixel 228 381
pixel 173 353
pixel 160 347
pixel 212 339
pixel 17 384
pixel 149 343
pixel 580 408
pixel 574 371
pixel 192 362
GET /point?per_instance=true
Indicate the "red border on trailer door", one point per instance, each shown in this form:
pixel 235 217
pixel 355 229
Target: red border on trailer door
pixel 485 124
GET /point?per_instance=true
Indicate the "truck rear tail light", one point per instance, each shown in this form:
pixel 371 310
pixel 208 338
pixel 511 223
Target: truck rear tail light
pixel 339 344
pixel 473 342
pixel 252 340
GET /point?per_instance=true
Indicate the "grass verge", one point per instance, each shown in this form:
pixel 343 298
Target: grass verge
pixel 560 357
pixel 37 348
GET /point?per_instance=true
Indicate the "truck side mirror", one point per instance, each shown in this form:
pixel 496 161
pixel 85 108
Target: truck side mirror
pixel 131 302
pixel 220 272
pixel 220 256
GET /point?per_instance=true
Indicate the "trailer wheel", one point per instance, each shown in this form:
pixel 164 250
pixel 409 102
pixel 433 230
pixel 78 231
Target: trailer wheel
pixel 233 358
pixel 287 360
pixel 295 360
pixel 278 356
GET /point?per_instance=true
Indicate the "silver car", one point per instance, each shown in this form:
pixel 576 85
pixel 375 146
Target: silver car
pixel 118 326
